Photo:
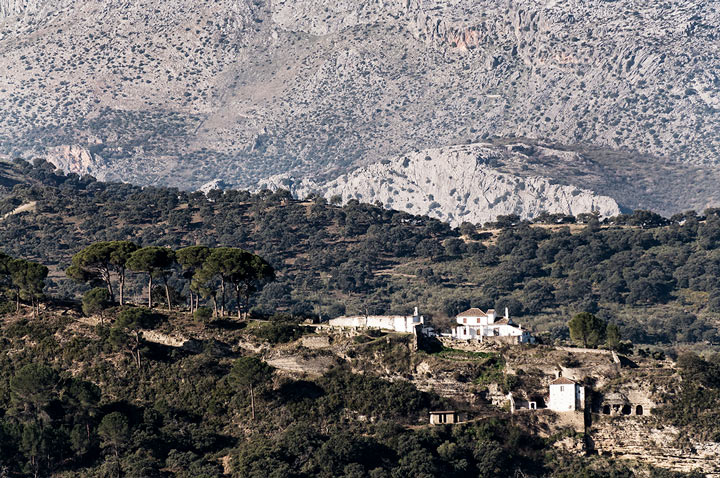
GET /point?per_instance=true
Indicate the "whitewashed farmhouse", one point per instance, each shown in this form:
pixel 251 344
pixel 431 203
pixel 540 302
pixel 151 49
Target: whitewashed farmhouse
pixel 566 395
pixel 412 324
pixel 474 324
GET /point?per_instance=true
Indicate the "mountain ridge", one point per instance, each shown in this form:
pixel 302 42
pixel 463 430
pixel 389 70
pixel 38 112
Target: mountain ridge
pixel 181 94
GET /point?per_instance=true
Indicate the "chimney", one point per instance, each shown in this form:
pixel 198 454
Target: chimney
pixel 416 312
pixel 507 315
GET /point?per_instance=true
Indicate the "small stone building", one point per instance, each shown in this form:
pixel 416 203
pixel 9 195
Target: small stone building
pixel 566 395
pixel 615 403
pixel 445 417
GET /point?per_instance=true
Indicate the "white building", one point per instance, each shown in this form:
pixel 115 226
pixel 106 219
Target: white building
pixel 412 324
pixel 566 395
pixel 474 324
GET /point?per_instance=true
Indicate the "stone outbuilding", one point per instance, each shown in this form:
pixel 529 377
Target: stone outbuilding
pixel 445 417
pixel 616 403
pixel 412 324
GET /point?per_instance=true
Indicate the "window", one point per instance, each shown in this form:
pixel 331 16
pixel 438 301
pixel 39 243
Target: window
pixel 562 389
pixel 464 320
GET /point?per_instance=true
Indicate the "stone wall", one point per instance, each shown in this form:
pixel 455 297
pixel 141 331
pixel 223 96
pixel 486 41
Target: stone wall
pixel 316 341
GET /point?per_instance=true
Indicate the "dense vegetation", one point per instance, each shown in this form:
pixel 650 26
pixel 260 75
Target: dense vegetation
pixel 77 404
pixel 653 277
pixel 102 401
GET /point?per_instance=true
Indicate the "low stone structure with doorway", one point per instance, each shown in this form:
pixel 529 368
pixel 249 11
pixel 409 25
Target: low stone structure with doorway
pixel 445 417
pixel 618 404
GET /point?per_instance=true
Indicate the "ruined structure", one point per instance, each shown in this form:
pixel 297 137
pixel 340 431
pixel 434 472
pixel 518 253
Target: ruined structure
pixel 445 417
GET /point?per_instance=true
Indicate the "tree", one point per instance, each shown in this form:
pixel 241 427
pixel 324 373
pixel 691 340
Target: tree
pixel 454 247
pixel 612 336
pixel 248 373
pixel 95 301
pixel 245 271
pixel 250 278
pixel 114 431
pixel 5 283
pixel 469 230
pixel 119 256
pixel 28 281
pixel 586 329
pixel 82 399
pixel 32 389
pixel 99 260
pixel 192 259
pixel 155 262
pixel 127 331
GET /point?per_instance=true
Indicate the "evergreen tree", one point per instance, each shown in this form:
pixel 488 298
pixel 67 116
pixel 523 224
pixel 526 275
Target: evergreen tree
pixel 155 262
pixel 192 259
pixel 586 329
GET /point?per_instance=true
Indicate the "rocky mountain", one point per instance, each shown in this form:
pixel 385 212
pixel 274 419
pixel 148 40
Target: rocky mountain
pixel 456 184
pixel 183 93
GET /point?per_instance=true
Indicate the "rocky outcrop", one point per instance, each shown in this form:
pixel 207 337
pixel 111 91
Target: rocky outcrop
pixel 456 184
pixel 78 160
pixel 243 90
pixel 316 365
pixel 215 184
pixel 644 440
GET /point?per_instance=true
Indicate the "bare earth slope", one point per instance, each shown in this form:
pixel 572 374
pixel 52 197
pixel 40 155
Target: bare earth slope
pixel 182 92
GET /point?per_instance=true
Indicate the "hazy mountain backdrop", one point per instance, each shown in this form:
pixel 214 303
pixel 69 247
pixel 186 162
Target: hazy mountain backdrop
pixel 564 106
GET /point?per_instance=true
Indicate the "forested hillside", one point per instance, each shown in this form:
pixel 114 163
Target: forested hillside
pixel 655 277
pixel 90 387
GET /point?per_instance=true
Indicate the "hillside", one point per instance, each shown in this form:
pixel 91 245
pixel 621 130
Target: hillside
pixel 328 404
pixel 242 91
pixel 91 388
pixel 654 277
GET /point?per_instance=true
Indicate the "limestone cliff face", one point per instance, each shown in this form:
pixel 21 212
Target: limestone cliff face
pixel 19 7
pixel 78 160
pixel 645 440
pixel 456 184
pixel 241 90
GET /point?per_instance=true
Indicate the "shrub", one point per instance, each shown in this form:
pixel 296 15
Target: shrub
pixel 95 301
pixel 203 314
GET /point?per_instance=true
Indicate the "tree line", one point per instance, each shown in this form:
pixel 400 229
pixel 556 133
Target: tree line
pixel 212 273
pixel 23 281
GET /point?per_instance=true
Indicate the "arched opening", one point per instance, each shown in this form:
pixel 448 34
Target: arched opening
pixel 626 409
pixel 639 410
pixel 606 410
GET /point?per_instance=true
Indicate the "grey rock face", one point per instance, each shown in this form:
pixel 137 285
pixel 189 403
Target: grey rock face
pixel 181 92
pixel 10 8
pixel 78 160
pixel 456 184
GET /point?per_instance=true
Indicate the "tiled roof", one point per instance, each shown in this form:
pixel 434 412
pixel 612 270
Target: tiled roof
pixel 474 312
pixel 562 381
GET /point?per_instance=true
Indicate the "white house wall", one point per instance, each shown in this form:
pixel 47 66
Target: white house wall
pixel 566 397
pixel 397 323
